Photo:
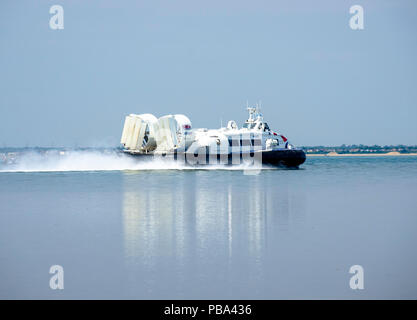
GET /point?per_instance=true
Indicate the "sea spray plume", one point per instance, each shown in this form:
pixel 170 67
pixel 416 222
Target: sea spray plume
pixel 65 160
pixel 55 160
pixel 62 160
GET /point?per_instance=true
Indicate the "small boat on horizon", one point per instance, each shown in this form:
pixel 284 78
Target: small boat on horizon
pixel 144 136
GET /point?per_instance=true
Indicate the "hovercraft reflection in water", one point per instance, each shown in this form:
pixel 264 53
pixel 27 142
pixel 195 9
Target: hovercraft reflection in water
pixel 172 137
pixel 209 221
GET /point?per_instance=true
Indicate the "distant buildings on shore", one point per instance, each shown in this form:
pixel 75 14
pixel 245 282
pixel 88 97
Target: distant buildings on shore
pixel 357 149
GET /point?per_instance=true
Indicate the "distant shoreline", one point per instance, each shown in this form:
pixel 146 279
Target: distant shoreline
pixel 335 154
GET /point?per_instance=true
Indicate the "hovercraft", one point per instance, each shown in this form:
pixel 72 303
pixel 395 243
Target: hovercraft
pixel 172 136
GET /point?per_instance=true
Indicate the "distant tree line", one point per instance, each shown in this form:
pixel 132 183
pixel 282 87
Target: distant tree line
pixel 360 148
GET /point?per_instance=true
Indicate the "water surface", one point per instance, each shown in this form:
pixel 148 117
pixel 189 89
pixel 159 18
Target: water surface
pixel 148 232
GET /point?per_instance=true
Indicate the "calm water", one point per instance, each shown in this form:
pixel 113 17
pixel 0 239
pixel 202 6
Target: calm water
pixel 208 233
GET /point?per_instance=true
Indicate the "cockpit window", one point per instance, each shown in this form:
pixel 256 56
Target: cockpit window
pixel 248 125
pixel 266 127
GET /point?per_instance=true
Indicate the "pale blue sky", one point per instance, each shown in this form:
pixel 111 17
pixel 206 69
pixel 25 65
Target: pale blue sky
pixel 319 81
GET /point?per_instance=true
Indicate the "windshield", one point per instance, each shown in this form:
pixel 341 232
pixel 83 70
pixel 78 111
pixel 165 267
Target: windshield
pixel 248 125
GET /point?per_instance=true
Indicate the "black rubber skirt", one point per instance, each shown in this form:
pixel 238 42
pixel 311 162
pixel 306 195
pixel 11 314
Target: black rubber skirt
pixel 291 158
